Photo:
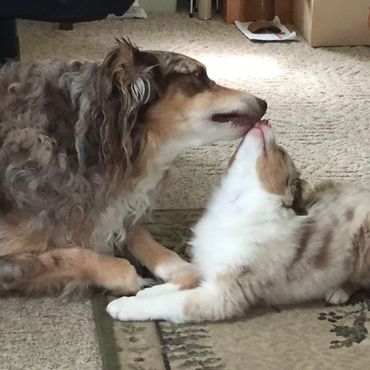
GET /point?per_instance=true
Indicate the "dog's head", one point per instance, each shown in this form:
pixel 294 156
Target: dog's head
pixel 175 99
pixel 140 103
pixel 194 109
pixel 269 165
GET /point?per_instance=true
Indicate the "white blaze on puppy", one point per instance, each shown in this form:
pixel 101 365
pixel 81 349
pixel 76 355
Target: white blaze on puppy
pixel 251 246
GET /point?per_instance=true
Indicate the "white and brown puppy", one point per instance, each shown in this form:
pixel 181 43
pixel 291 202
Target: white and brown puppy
pixel 250 247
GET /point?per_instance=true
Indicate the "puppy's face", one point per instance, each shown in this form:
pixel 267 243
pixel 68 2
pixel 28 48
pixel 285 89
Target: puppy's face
pixel 181 103
pixel 273 167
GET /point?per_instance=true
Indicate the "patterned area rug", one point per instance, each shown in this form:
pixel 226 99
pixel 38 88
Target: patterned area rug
pixel 311 336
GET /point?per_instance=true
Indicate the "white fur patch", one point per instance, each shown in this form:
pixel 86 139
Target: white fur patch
pixel 337 296
pixel 166 307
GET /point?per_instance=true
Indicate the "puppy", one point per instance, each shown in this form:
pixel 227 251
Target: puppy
pixel 82 147
pixel 251 247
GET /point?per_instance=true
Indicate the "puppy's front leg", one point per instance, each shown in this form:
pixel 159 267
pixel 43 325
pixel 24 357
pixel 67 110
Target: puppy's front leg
pixel 161 261
pixel 160 307
pixel 205 303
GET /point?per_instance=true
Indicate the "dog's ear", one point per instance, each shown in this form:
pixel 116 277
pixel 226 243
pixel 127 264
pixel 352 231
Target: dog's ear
pixel 119 66
pixel 126 69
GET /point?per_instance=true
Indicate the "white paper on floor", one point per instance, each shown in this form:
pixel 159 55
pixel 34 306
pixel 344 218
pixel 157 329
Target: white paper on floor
pixel 135 11
pixel 286 35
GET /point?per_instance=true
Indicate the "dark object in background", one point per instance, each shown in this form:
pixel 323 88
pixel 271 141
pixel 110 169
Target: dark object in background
pixel 9 42
pixel 265 9
pixel 265 13
pixel 249 10
pixel 262 26
pixel 64 11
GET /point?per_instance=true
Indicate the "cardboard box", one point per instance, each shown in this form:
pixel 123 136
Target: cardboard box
pixel 244 10
pixel 333 22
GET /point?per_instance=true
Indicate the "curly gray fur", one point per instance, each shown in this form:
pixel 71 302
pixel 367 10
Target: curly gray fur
pixel 69 134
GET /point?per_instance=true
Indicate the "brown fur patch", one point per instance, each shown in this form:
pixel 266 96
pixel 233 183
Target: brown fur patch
pixel 302 197
pixel 19 237
pixel 349 288
pixel 348 263
pixel 349 214
pixel 321 259
pixel 34 273
pixel 166 119
pixel 245 270
pixel 140 170
pixel 308 229
pixel 361 250
pixel 148 251
pixel 277 172
pixel 187 280
pixel 190 84
pixel 272 171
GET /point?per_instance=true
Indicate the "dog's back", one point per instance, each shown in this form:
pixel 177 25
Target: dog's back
pixel 39 96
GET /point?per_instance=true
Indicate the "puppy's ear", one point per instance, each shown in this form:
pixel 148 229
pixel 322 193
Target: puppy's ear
pixel 288 197
pixel 302 196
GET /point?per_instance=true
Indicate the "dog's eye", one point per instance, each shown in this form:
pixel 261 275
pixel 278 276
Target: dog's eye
pixel 201 74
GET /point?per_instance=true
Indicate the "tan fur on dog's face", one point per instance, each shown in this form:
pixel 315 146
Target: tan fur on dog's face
pixel 191 107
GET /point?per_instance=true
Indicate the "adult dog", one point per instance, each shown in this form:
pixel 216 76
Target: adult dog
pixel 82 147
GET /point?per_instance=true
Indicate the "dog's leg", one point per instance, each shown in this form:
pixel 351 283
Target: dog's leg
pixel 32 273
pixel 161 261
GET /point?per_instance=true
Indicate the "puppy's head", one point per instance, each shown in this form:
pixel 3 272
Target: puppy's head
pixel 270 165
pixel 177 100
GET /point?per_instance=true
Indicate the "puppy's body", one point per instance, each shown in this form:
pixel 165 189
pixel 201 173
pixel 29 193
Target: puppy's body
pixel 251 248
pixel 82 145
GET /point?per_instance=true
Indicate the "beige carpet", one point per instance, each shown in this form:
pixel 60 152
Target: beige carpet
pixel 319 103
pixel 318 98
pixel 43 334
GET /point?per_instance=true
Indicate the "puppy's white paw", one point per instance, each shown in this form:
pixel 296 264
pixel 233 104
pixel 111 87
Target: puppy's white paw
pixel 337 296
pixel 124 308
pixel 157 290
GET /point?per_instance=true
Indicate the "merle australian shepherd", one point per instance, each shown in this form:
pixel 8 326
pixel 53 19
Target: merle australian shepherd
pixel 82 145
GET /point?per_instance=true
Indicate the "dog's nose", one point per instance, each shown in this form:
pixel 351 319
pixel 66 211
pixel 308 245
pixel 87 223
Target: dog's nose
pixel 257 110
pixel 262 105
